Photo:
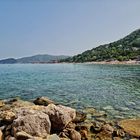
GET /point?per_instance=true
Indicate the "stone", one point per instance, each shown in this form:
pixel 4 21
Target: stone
pixel 74 135
pixel 80 117
pixel 43 101
pixel 2 103
pixel 84 134
pixel 103 136
pixel 64 139
pixel 108 128
pixel 96 127
pixel 53 137
pixel 120 132
pixel 117 138
pixel 105 133
pixel 131 126
pixel 22 136
pixel 10 138
pixel 7 116
pixel 33 122
pixel 94 112
pixel 60 116
pixel 1 135
pixel 19 103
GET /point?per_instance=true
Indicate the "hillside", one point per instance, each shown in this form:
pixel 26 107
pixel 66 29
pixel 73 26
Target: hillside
pixel 127 48
pixel 34 59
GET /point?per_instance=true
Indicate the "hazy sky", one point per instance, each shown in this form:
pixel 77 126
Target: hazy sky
pixel 29 27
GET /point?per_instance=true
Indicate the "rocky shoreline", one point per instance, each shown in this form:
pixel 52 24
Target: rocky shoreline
pixel 43 119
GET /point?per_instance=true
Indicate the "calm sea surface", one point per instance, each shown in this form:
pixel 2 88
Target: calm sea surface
pixel 114 88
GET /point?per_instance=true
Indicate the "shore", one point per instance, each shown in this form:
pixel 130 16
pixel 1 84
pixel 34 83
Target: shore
pixel 44 119
pixel 131 62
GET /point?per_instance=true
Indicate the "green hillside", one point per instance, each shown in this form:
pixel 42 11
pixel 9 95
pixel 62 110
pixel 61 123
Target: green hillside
pixel 124 49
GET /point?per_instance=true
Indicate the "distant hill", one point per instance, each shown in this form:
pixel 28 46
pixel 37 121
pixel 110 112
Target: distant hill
pixel 34 59
pixel 41 59
pixel 124 49
pixel 8 61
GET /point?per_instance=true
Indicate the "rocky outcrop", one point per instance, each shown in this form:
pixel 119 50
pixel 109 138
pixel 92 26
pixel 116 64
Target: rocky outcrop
pixel 22 120
pixel 131 126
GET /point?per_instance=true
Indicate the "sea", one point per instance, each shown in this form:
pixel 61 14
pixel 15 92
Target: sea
pixel 111 88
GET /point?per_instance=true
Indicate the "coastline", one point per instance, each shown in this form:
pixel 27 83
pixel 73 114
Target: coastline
pixel 131 62
pixel 44 119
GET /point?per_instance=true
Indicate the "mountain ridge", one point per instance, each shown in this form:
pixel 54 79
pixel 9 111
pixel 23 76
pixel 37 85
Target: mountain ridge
pixel 39 58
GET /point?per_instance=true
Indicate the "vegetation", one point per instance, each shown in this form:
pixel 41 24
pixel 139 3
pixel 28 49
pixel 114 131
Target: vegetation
pixel 121 50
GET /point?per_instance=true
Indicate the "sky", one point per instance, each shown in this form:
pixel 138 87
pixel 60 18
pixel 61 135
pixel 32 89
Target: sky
pixel 63 27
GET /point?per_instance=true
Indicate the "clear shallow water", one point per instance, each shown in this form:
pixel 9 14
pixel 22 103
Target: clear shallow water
pixel 114 88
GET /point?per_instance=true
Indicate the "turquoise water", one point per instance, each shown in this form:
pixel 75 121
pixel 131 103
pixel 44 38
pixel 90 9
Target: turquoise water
pixel 114 88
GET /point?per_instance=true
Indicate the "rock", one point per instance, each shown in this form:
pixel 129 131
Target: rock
pixel 64 139
pixel 80 117
pixel 19 103
pixel 84 134
pixel 1 135
pixel 53 137
pixel 94 112
pixel 23 135
pixel 123 108
pixel 119 132
pixel 33 122
pixel 7 116
pixel 105 133
pixel 71 125
pixel 117 138
pixel 60 116
pixel 43 101
pixel 108 128
pixel 74 135
pixel 2 103
pixel 96 127
pixel 103 136
pixel 10 138
pixel 131 126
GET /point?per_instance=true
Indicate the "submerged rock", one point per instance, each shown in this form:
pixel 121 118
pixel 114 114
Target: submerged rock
pixel 108 107
pixel 131 126
pixel 43 101
pixel 60 116
pixel 80 117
